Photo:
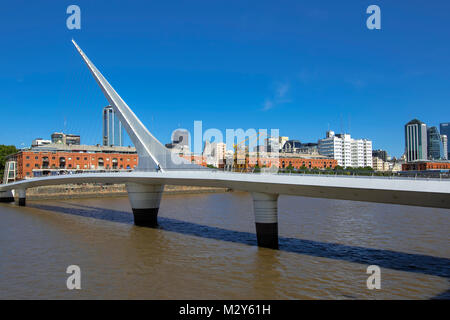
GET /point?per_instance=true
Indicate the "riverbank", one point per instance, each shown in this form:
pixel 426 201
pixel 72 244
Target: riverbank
pixel 103 191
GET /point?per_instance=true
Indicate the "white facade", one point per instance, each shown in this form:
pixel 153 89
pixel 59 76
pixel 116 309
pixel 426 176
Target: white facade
pixel 347 151
pixel 40 142
pixel 444 140
pixel 215 153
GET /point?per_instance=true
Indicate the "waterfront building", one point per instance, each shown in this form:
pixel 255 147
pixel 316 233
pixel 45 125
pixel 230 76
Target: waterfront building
pixel 445 130
pixel 396 166
pixel 416 145
pixel 379 164
pixel 382 154
pixel 444 139
pixel 347 151
pixel 215 153
pixel 291 146
pixel 40 142
pixel 271 144
pixel 426 166
pixel 112 128
pixel 290 160
pixel 63 138
pixel 435 145
pixel 295 146
pixel 55 159
pixel 283 140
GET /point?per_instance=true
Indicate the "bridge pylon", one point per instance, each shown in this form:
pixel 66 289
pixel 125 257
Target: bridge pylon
pixel 265 207
pixel 145 200
pixel 6 196
pixel 22 196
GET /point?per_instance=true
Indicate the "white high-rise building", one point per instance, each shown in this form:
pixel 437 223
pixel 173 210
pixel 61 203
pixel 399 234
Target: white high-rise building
pixel 444 139
pixel 347 151
pixel 215 153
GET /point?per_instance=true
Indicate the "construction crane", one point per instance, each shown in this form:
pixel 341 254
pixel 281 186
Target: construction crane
pixel 241 154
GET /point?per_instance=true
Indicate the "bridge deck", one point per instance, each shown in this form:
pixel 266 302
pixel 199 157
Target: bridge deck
pixel 416 192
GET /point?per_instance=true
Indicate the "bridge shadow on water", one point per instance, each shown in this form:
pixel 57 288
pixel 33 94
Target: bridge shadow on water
pixel 408 262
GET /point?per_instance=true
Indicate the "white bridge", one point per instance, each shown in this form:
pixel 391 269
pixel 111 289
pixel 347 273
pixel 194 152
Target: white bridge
pixel 159 166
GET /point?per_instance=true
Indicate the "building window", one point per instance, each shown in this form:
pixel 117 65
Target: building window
pixel 62 162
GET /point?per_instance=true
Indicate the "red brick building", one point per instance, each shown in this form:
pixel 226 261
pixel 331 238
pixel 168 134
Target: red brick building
pixel 293 161
pixel 64 159
pixel 426 165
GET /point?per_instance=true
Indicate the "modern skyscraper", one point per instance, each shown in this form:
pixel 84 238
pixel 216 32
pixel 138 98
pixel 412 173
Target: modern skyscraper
pixel 416 140
pixel 112 128
pixel 445 146
pixel 434 144
pixel 445 130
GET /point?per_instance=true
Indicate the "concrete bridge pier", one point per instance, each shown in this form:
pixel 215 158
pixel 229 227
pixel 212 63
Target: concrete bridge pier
pixel 6 196
pixel 265 206
pixel 145 200
pixel 22 196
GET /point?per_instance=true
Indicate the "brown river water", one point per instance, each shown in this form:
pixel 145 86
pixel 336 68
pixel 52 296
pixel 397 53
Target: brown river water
pixel 205 248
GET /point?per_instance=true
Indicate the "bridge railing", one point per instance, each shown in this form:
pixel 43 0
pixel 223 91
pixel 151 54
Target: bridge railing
pixel 440 177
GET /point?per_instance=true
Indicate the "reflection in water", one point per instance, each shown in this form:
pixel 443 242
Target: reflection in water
pixel 205 250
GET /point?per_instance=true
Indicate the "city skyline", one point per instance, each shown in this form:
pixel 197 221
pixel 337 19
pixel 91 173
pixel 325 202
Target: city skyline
pixel 234 66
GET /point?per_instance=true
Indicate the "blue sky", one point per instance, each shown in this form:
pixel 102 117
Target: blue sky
pixel 299 66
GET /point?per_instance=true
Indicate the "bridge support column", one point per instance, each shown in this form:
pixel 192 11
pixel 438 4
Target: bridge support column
pixel 6 196
pixel 22 193
pixel 265 206
pixel 145 200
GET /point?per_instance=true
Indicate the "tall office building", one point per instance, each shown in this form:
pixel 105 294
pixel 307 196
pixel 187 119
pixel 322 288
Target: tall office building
pixel 445 146
pixel 347 151
pixel 416 146
pixel 434 144
pixel 112 128
pixel 445 130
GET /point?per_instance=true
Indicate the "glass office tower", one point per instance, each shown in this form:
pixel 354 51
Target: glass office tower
pixel 435 144
pixel 416 140
pixel 112 128
pixel 445 130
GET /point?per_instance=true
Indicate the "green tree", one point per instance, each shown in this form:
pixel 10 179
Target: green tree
pixel 4 152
